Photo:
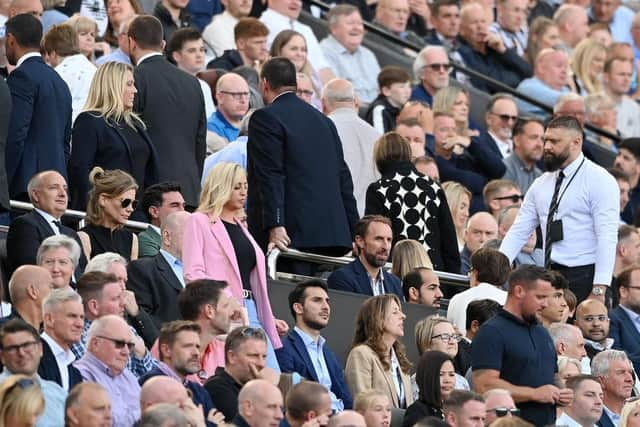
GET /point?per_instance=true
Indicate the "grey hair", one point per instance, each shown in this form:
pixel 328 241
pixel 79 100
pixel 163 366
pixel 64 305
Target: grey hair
pixel 34 183
pixel 564 98
pixel 561 332
pixel 419 62
pixel 600 363
pixel 162 414
pixel 340 10
pixel 100 324
pixel 57 297
pixel 332 95
pixel 59 241
pixel 594 103
pixel 103 261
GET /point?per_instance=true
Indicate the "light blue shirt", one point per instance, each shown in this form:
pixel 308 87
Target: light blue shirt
pixel 49 218
pixel 116 56
pixel 175 264
pixel 221 126
pixel 635 317
pixel 620 24
pixel 234 152
pixel 54 400
pixel 537 89
pixel 315 351
pixel 615 418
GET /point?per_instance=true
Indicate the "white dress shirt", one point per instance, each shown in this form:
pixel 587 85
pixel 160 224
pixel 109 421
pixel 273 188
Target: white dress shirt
pixel 218 35
pixel 63 358
pixel 50 220
pixel 277 22
pixel 77 72
pixel 565 420
pixel 589 210
pixel 457 311
pixel 505 147
pixel 25 57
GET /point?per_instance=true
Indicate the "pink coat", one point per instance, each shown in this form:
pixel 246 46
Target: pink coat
pixel 208 253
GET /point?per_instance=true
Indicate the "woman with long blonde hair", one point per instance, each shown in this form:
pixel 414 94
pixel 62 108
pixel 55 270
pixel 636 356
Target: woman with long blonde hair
pixel 219 247
pixel 21 401
pixel 109 134
pixel 459 200
pixel 407 256
pixel 455 101
pixel 587 64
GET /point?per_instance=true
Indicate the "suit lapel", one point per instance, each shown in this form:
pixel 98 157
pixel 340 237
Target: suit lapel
pixel 220 233
pixel 390 384
pixel 298 344
pixel 124 141
pixel 45 228
pixel 363 278
pixel 167 273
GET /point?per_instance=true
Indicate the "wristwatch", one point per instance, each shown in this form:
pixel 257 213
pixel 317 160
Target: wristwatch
pixel 597 291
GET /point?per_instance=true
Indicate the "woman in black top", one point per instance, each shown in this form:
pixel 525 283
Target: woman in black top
pixel 111 201
pixel 109 134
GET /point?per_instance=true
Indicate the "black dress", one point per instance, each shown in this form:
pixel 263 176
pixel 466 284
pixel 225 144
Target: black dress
pixel 245 252
pixel 104 240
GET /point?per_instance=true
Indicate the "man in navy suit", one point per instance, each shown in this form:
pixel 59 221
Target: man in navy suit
pixel 40 127
pixel 624 327
pixel 501 117
pixel 365 275
pixel 300 188
pixel 305 351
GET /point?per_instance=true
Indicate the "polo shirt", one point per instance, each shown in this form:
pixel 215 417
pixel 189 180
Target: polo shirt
pixel 221 126
pixel 524 355
pixel 224 390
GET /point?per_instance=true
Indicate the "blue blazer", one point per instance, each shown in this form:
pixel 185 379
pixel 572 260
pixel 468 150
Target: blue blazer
pixel 605 421
pixel 48 368
pixel 293 357
pixel 488 142
pixel 353 278
pixel 40 127
pixel 625 335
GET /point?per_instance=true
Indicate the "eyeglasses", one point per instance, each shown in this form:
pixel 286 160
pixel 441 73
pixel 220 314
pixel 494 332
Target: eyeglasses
pixel 25 346
pixel 236 95
pixel 448 337
pixel 301 92
pixel 505 117
pixel 591 319
pixel 514 198
pixel 119 344
pixel 503 412
pixel 124 203
pixel 438 67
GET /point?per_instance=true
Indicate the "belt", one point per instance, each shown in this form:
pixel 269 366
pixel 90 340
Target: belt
pixel 247 294
pixel 556 266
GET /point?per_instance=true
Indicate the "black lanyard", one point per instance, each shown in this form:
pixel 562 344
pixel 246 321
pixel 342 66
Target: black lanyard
pixel 554 209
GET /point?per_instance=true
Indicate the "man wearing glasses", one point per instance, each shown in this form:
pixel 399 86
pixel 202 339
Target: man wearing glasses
pixel 432 68
pixel 593 320
pixel 232 94
pixel 501 117
pixel 499 194
pixel 499 404
pixel 109 345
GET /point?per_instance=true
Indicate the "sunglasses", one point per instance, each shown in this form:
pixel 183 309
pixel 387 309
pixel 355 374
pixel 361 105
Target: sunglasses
pixel 119 344
pixel 505 117
pixel 124 203
pixel 503 412
pixel 438 67
pixel 514 198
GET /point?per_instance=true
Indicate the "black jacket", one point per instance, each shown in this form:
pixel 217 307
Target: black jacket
pixel 229 60
pixel 168 24
pixel 48 368
pixel 380 108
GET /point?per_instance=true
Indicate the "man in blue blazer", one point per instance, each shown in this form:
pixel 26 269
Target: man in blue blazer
pixel 624 318
pixel 304 350
pixel 40 127
pixel 365 275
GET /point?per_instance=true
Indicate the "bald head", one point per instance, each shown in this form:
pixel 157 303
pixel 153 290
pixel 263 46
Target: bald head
pixel 29 282
pixel 162 389
pixel 172 231
pixel 551 67
pixel 347 419
pixel 31 7
pixel 260 404
pixel 593 320
pixel 481 228
pixel 338 93
pixel 230 81
pixel 232 93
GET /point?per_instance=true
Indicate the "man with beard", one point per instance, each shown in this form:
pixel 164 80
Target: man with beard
pixel 513 351
pixel 373 237
pixel 528 144
pixel 422 286
pixel 576 197
pixel 179 346
pixel 593 320
pixel 304 350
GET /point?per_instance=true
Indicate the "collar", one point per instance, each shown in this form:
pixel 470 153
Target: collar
pixel 379 276
pixel 230 17
pixel 57 349
pixel 340 46
pixel 224 120
pixel 148 55
pixel 515 319
pixel 635 317
pixel 608 343
pixel 521 163
pixel 344 111
pixel 612 415
pixel 27 56
pixel 172 260
pixel 75 60
pixel 572 167
pixel 98 364
pixel 308 339
pixel 46 215
pixel 154 228
pixel 495 138
pixel 168 371
pixel 280 94
pixel 271 14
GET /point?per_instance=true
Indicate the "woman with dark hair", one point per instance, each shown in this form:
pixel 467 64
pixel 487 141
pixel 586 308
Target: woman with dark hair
pixel 416 205
pixel 436 379
pixel 119 12
pixel 377 359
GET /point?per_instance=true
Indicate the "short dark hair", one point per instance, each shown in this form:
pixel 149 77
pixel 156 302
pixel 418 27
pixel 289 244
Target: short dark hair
pixel 170 330
pixel 481 310
pixel 574 382
pixel 298 294
pixel 491 266
pixel 618 175
pixel 197 294
pixel 279 72
pixel 625 230
pixel 527 275
pixel 392 74
pixel 565 122
pixel 240 335
pixel 362 226
pixel 153 195
pixel 412 279
pixel 27 30
pixel 90 285
pixel 558 281
pixel 146 31
pixel 428 376
pixel 437 4
pixel 458 398
pixel 624 278
pixel 15 325
pixel 179 38
pixel 632 145
pixel 522 122
pixel 303 398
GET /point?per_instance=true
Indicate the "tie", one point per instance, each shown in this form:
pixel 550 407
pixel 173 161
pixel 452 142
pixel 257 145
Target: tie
pixel 553 208
pixel 58 224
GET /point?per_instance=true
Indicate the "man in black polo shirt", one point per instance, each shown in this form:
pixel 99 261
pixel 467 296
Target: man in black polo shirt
pixel 513 351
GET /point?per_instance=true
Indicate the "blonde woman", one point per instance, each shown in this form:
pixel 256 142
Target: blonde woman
pixel 407 256
pixel 87 29
pixel 459 200
pixel 109 134
pixel 375 407
pixel 587 64
pixel 21 401
pixel 221 248
pixel 630 415
pixel 112 200
pixel 455 101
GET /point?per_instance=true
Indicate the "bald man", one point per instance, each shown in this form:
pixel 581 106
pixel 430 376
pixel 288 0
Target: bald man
pixel 592 318
pixel 549 81
pixel 259 405
pixel 31 7
pixel 573 25
pixel 162 389
pixel 88 405
pixel 28 287
pixel 347 419
pixel 232 94
pixel 481 228
pixel 156 280
pixel 358 137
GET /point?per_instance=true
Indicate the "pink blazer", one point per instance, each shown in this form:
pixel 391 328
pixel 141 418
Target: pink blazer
pixel 208 253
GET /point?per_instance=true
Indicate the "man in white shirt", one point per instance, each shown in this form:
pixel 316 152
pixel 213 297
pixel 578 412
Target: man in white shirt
pixel 283 15
pixel 579 226
pixel 617 81
pixel 587 405
pixel 63 318
pixel 489 272
pixel 569 342
pixel 218 35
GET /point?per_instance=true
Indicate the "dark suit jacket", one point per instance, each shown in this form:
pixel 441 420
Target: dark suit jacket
pixel 293 357
pixel 487 141
pixel 103 144
pixel 354 278
pixel 171 104
pixel 298 177
pixel 5 116
pixel 625 335
pixel 508 67
pixel 48 368
pixel 156 288
pixel 24 238
pixel 605 421
pixel 40 126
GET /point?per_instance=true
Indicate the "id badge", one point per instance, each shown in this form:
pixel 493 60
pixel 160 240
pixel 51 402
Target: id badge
pixel 555 231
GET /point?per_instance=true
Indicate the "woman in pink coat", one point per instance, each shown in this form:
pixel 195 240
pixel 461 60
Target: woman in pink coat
pixel 218 246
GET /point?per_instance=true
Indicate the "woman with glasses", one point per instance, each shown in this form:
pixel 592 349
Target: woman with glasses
pixel 109 134
pixel 435 377
pixel 437 333
pixel 112 200
pixel 377 360
pixel 221 248
pixel 414 203
pixel 21 401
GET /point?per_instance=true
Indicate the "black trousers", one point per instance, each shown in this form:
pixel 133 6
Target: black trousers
pixel 580 278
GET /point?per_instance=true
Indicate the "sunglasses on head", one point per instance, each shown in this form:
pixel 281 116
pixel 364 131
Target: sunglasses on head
pixel 514 198
pixel 124 203
pixel 503 412
pixel 119 344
